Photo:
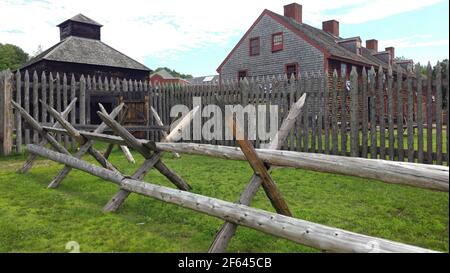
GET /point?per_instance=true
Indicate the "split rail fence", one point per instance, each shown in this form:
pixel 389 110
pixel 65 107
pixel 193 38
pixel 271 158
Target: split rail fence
pixel 283 224
pixel 393 115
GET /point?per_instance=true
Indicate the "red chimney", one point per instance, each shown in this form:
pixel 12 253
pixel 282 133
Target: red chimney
pixel 392 51
pixel 294 11
pixel 332 27
pixel 372 45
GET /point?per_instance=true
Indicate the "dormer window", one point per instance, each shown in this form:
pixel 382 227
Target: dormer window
pixel 255 46
pixel 277 42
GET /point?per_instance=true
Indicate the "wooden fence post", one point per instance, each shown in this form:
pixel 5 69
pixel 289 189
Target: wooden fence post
pixel 373 117
pixel 382 112
pixel 400 115
pixel 354 124
pixel 391 111
pixel 410 115
pixel 420 114
pixel 365 115
pixel 447 86
pixel 82 100
pixel 439 114
pixel 35 104
pixel 343 92
pixel 6 116
pixel 429 115
pixel 334 110
pixel 326 109
pixel 26 102
pixel 18 122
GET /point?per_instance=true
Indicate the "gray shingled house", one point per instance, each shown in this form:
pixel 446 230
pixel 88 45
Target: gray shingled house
pixel 81 51
pixel 283 44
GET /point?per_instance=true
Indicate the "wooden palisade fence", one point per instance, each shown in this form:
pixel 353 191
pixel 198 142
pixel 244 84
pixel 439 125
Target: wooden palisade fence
pixel 399 115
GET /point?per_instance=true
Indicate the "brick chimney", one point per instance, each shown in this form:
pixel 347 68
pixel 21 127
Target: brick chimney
pixel 392 51
pixel 372 45
pixel 294 11
pixel 332 27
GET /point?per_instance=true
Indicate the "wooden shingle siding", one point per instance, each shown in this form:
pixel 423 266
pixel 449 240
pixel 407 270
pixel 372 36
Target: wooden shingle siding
pixel 296 50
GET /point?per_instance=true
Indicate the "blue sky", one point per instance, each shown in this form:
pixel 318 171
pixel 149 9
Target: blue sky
pixel 195 36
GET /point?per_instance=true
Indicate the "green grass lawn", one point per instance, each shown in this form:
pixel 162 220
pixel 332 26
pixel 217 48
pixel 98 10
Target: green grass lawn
pixel 36 219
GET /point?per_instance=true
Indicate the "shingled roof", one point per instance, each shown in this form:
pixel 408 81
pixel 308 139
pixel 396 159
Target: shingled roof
pixel 82 19
pixel 164 74
pixel 328 42
pixel 322 40
pixel 86 51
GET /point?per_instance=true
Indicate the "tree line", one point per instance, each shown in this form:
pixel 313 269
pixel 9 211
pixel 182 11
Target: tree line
pixel 12 56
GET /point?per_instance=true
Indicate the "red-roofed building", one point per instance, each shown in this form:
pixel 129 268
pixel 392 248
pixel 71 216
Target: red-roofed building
pixel 163 76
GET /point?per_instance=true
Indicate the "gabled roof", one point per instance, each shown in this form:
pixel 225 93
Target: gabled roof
pixel 167 76
pixel 318 38
pixel 86 51
pixel 80 18
pixel 164 74
pixel 367 53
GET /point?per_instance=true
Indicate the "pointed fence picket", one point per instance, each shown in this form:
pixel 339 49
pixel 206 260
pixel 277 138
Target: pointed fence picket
pixel 394 114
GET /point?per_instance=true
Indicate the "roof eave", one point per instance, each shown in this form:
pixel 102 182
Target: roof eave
pixel 68 20
pixel 351 61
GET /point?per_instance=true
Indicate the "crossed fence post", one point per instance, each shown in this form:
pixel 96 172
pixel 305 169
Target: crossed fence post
pixel 160 123
pixel 86 146
pixel 228 229
pixel 32 157
pixel 41 131
pixel 61 122
pixel 153 160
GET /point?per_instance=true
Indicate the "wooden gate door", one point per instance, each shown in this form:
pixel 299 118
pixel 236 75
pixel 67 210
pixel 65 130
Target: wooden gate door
pixel 137 114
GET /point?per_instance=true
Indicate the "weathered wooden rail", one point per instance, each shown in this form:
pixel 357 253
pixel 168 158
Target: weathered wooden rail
pixel 434 177
pixel 303 232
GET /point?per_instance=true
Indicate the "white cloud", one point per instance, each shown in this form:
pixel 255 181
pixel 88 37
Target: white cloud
pixel 365 11
pixel 139 27
pixel 415 41
pixel 167 28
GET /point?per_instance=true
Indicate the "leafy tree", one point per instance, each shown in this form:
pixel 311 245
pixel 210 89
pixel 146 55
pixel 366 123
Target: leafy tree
pixel 444 70
pixel 175 73
pixel 444 67
pixel 11 56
